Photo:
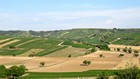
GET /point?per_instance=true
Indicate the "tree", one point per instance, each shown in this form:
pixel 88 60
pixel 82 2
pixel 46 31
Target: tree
pixel 2 71
pixel 14 55
pixel 101 55
pixel 88 62
pixel 103 47
pixel 135 51
pixel 121 55
pixel 16 71
pixel 103 75
pixel 129 51
pixel 85 62
pixel 69 56
pixel 128 73
pixel 125 49
pixel 136 55
pixel 92 50
pixel 12 47
pixel 31 55
pixel 42 64
pixel 118 49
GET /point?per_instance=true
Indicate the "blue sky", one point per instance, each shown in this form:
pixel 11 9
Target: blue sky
pixel 67 14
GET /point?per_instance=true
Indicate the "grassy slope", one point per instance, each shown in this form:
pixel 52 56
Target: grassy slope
pixel 43 75
pixel 85 35
pixel 49 46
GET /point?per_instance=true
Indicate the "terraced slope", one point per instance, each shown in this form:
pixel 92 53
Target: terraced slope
pixel 87 35
pixel 69 51
pixel 28 45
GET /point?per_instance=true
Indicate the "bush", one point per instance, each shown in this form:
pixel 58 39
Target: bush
pixel 103 47
pixel 2 71
pixel 129 51
pixel 103 75
pixel 16 71
pixel 101 55
pixel 42 64
pixel 85 62
pixel 118 49
pixel 121 55
pixel 69 56
pixel 125 49
pixel 138 76
pixel 93 50
pixel 31 55
pixel 136 55
pixel 135 51
pixel 12 47
pixel 128 73
pixel 14 55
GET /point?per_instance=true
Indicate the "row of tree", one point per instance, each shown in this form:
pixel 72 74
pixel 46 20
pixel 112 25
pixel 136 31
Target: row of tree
pixel 127 50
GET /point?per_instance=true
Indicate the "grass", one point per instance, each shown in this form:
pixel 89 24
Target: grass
pixel 22 40
pixel 77 45
pixel 11 52
pixel 48 46
pixel 51 51
pixel 74 52
pixel 45 75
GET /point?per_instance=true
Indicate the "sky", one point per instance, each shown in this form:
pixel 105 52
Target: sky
pixel 67 14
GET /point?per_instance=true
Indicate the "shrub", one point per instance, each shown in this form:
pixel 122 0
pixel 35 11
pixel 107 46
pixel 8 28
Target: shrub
pixel 136 55
pixel 12 47
pixel 121 55
pixel 135 51
pixel 69 56
pixel 101 55
pixel 16 71
pixel 31 55
pixel 128 73
pixel 2 71
pixel 125 49
pixel 14 55
pixel 129 50
pixel 85 62
pixel 42 64
pixel 93 50
pixel 88 62
pixel 103 47
pixel 118 49
pixel 103 75
pixel 138 76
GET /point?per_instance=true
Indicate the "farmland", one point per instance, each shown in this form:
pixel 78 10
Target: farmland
pixel 64 51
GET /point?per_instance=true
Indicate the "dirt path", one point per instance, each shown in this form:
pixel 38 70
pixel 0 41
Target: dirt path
pixel 63 64
pixel 75 64
pixel 115 40
pixel 26 42
pixel 5 44
pixel 60 44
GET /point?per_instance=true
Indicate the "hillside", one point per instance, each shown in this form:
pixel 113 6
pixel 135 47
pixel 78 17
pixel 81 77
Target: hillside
pixel 88 36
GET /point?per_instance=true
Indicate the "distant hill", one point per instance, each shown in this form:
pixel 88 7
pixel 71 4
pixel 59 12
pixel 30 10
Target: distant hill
pixel 91 36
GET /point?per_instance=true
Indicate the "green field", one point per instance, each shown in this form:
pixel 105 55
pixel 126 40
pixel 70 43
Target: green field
pixel 49 46
pixel 78 38
pixel 44 75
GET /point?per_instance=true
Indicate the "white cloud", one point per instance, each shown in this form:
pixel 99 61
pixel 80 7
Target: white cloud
pixel 63 20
